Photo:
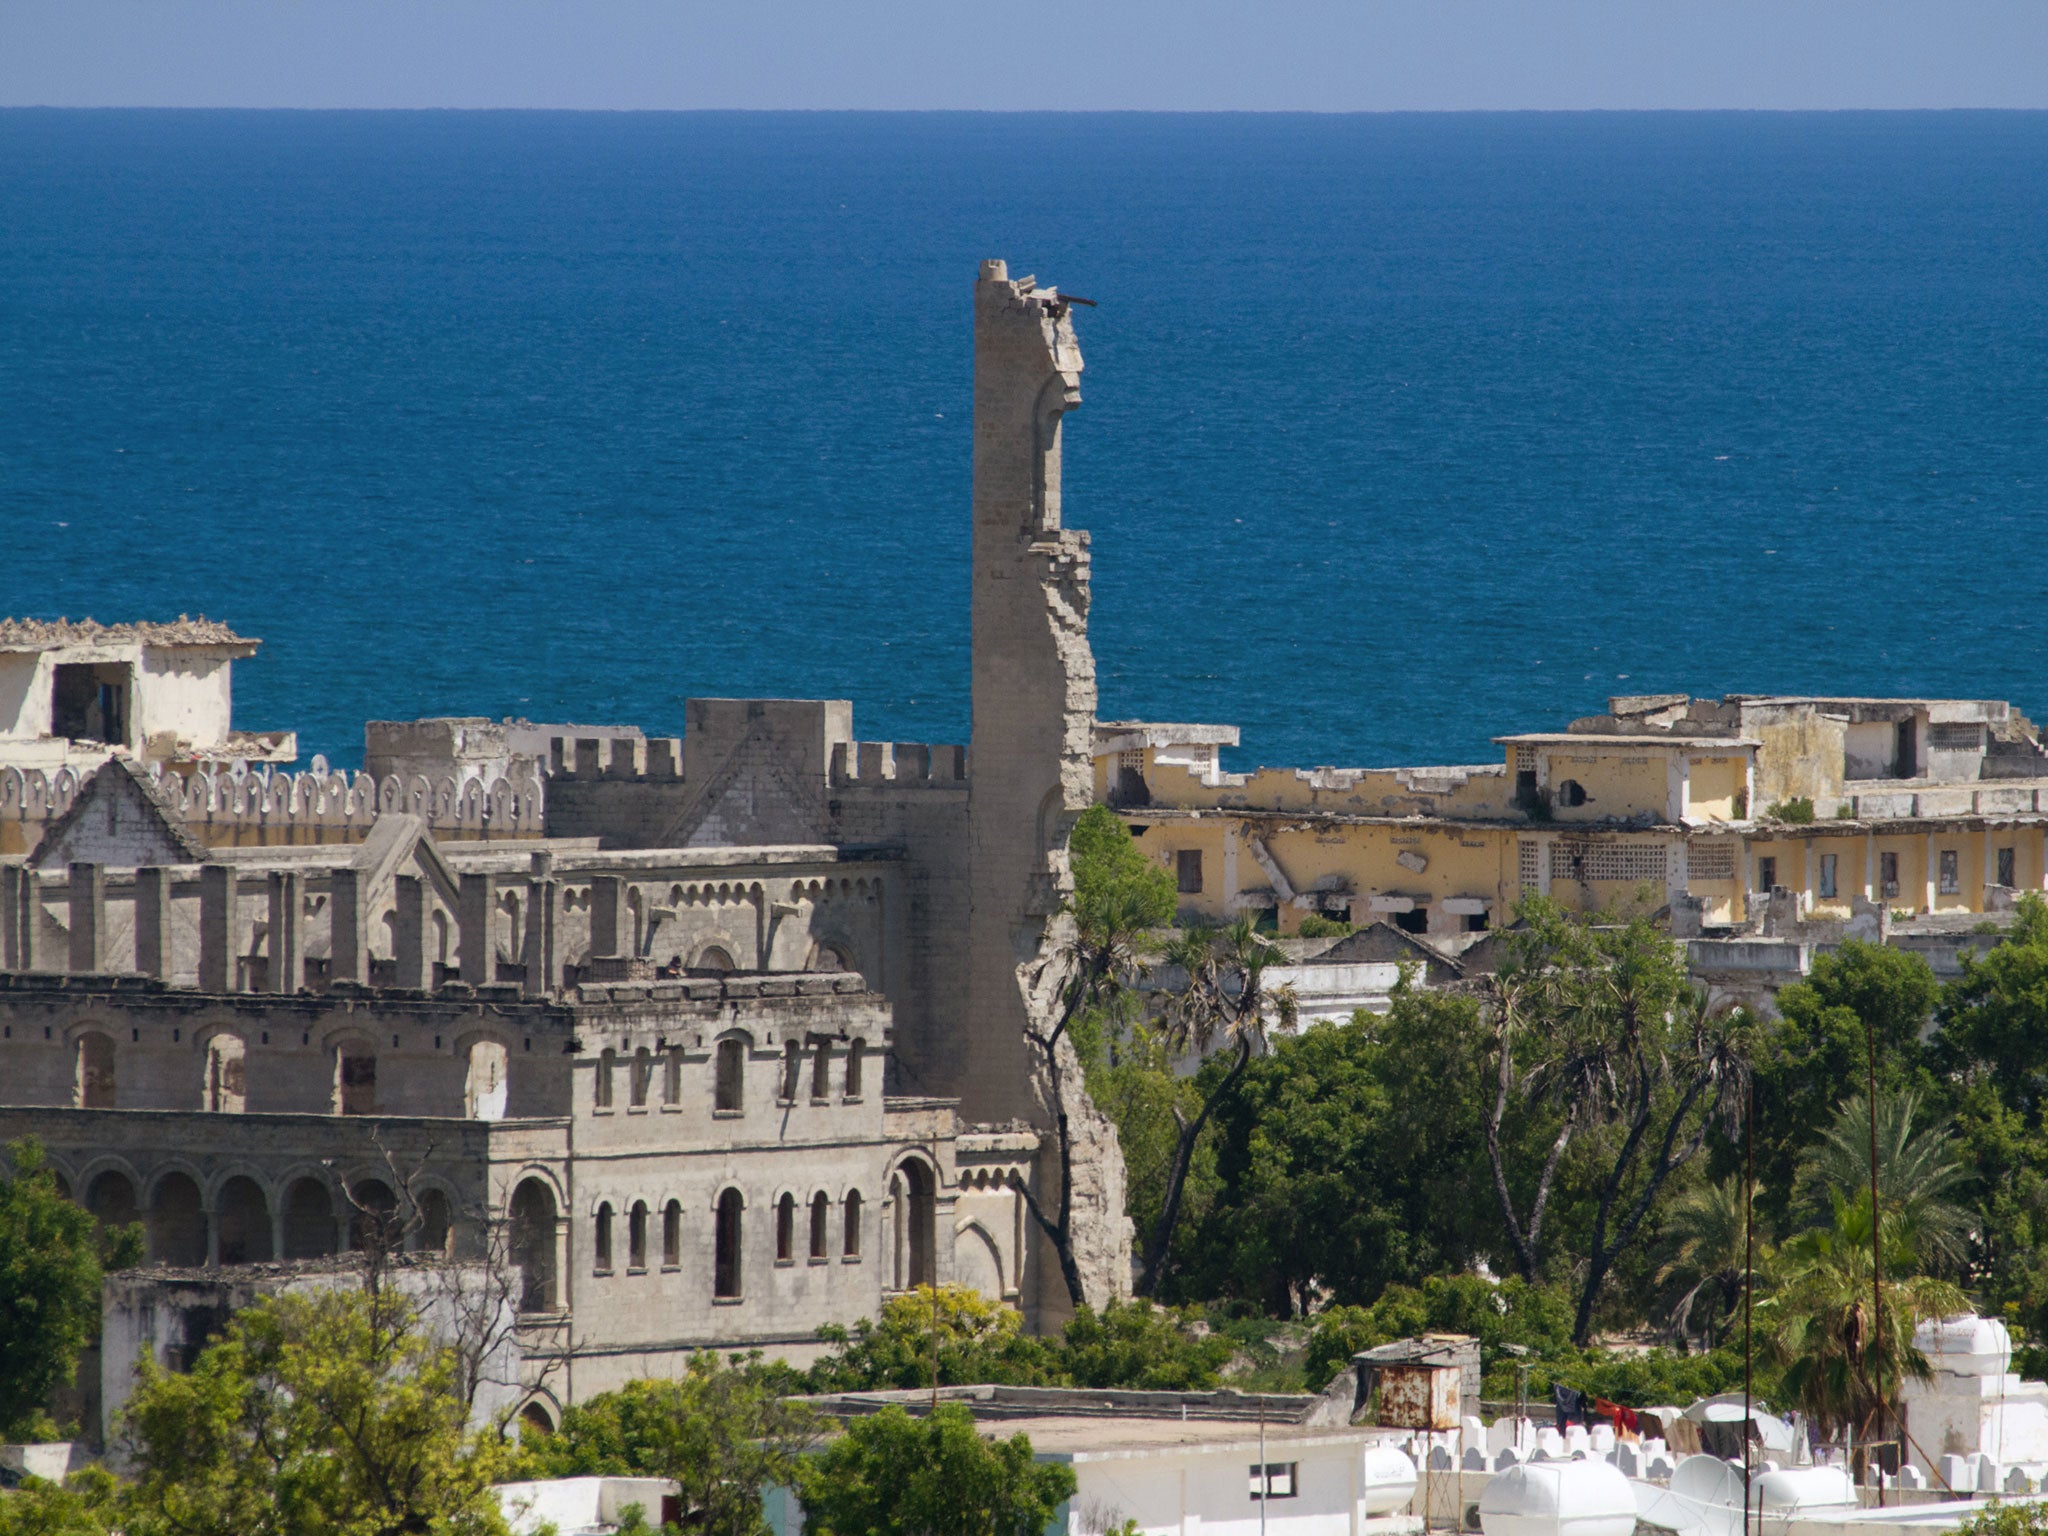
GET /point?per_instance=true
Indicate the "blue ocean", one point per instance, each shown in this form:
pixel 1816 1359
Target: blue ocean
pixel 1399 432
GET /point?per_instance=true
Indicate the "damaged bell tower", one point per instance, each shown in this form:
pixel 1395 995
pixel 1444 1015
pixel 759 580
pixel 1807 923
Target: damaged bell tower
pixel 1031 771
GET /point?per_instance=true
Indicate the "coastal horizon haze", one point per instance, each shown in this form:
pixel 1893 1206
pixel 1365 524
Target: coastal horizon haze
pixel 1147 55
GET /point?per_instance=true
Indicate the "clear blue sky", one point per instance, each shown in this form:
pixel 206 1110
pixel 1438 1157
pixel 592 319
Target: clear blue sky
pixel 1260 55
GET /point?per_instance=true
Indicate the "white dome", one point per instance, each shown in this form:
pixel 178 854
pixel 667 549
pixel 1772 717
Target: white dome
pixel 1967 1345
pixel 1558 1498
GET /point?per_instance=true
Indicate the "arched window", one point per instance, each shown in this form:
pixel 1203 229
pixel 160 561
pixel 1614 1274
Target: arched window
pixel 355 1078
pixel 855 1054
pixel 851 1247
pixel 821 1072
pixel 725 1269
pixel 308 1220
pixel 915 1208
pixel 714 959
pixel 730 1091
pixel 603 1238
pixel 177 1222
pixel 484 1089
pixel 672 1235
pixel 534 1417
pixel 226 1083
pixel 785 1230
pixel 94 1087
pixel 821 1223
pixel 437 1230
pixel 792 1068
pixel 533 1245
pixel 672 1077
pixel 243 1218
pixel 636 1236
pixel 373 1223
pixel 111 1199
pixel 607 1059
pixel 643 1076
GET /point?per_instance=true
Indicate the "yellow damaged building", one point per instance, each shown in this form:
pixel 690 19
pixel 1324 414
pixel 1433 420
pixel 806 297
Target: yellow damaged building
pixel 1718 809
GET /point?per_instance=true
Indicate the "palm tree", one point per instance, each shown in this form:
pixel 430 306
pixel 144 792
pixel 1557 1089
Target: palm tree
pixel 1706 1226
pixel 1919 1170
pixel 1221 1009
pixel 1844 1367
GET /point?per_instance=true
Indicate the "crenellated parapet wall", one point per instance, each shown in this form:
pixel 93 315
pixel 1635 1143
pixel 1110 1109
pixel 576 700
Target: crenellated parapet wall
pixel 903 763
pixel 232 803
pixel 655 759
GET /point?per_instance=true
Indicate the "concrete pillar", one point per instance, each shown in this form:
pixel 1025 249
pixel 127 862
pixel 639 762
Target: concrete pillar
pixel 287 933
pixel 541 974
pixel 409 933
pixel 213 1239
pixel 1928 905
pixel 88 902
pixel 476 946
pixel 217 902
pixel 153 955
pixel 607 911
pixel 26 928
pixel 350 954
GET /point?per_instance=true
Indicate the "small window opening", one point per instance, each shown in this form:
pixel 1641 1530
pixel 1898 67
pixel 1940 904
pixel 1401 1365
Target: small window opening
pixel 821 1222
pixel 785 1230
pixel 851 1246
pixel 636 1236
pixel 2007 867
pixel 1951 875
pixel 1827 875
pixel 792 1068
pixel 729 1093
pixel 1187 871
pixel 1571 792
pixel 1766 874
pixel 1888 873
pixel 604 1239
pixel 1275 1480
pixel 725 1270
pixel 1415 920
pixel 672 1235
pixel 855 1053
pixel 821 1072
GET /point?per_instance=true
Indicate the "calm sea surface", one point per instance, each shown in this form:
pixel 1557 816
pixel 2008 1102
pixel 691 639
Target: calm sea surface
pixel 1399 431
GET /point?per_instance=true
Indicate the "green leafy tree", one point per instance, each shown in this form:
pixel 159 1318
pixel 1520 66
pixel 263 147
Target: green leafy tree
pixel 1919 1170
pixel 1221 1007
pixel 721 1432
pixel 1497 1313
pixel 1843 1365
pixel 892 1475
pixel 1136 1345
pixel 955 1329
pixel 328 1412
pixel 50 1268
pixel 86 1503
pixel 2028 1518
pixel 1707 1228
pixel 1817 1052
pixel 1119 897
pixel 1599 1033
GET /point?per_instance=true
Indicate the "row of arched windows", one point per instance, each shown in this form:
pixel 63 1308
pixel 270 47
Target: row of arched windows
pixel 224 1081
pixel 728 1236
pixel 729 1074
pixel 242 1227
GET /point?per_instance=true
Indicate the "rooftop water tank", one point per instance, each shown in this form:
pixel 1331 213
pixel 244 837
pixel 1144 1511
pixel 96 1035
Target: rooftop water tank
pixel 1967 1345
pixel 1798 1489
pixel 1389 1479
pixel 1558 1498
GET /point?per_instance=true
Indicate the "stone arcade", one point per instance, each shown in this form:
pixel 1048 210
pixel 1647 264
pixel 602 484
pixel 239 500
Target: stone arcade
pixel 707 1042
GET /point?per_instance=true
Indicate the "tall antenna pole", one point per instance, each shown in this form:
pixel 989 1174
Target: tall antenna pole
pixel 1748 1286
pixel 1876 1268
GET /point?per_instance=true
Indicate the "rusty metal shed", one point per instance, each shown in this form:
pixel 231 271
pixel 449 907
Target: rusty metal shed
pixel 1427 1382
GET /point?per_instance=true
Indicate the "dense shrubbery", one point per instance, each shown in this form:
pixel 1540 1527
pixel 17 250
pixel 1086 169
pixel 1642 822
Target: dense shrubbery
pixel 966 1338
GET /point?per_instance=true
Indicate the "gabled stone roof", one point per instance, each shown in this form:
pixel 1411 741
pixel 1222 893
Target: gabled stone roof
pixel 161 824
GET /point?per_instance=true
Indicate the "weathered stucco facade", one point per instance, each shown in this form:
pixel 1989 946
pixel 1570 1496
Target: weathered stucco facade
pixel 708 1041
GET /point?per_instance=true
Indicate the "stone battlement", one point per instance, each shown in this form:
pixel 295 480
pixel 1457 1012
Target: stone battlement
pixel 657 759
pixel 898 762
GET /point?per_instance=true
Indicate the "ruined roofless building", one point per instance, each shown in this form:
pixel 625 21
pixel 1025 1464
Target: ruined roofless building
pixel 717 1039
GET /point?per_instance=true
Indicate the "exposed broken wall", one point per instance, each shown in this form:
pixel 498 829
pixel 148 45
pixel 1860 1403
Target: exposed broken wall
pixel 1033 768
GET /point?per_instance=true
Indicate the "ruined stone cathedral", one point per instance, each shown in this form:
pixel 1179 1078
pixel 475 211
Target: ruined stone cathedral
pixel 725 1035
